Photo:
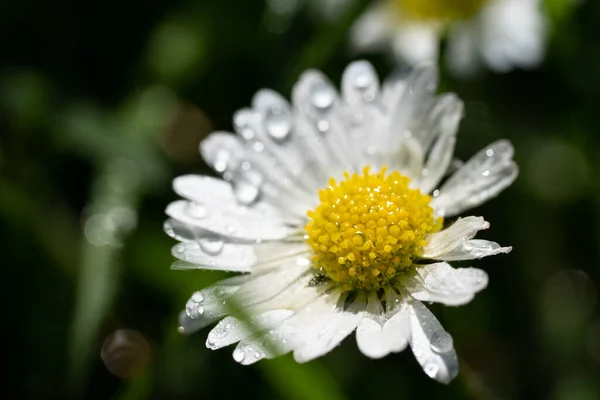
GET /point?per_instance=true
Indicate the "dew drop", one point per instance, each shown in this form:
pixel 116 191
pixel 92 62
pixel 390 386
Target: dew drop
pixel 211 246
pixel 363 78
pixel 323 126
pixel 258 147
pixel 245 192
pixel 278 123
pixel 239 355
pixel 431 369
pixel 441 342
pixel 221 160
pixel 197 297
pixel 247 133
pixel 192 307
pixel 322 96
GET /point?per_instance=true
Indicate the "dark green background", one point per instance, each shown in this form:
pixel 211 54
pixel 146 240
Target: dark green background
pixel 102 104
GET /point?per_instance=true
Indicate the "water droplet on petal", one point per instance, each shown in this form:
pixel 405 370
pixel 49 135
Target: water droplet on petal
pixel 278 123
pixel 322 95
pixel 211 246
pixel 193 309
pixel 323 126
pixel 441 342
pixel 245 192
pixel 198 297
pixel 238 355
pixel 221 160
pixel 431 369
pixel 363 78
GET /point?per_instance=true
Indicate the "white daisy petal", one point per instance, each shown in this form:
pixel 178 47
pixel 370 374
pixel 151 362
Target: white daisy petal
pixel 442 242
pixel 380 333
pixel 283 337
pixel 396 329
pixel 253 175
pixel 326 330
pixel 443 120
pixel 416 42
pixel 184 232
pixel 372 28
pixel 267 285
pixel 482 177
pixel 231 329
pixel 223 151
pixel 214 254
pixel 419 88
pixel 268 130
pixel 206 306
pixel 513 34
pixel 431 344
pixel 443 284
pixel 472 249
pixel 325 131
pixel 369 332
pixel 360 83
pixel 203 189
pixel 238 222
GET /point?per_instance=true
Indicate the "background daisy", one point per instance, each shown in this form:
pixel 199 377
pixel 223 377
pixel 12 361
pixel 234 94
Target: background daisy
pixel 501 34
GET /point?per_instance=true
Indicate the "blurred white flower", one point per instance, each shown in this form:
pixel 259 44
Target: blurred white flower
pixel 502 34
pixel 323 206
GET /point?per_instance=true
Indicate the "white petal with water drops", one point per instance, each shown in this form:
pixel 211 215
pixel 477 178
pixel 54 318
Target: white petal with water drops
pixel 475 248
pixel 325 331
pixel 482 177
pixel 235 222
pixel 463 229
pixel 380 333
pixel 232 329
pixel 208 305
pixel 213 253
pixel 441 283
pixel 431 344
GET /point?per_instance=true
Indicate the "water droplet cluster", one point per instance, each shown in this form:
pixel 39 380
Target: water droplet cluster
pixel 369 227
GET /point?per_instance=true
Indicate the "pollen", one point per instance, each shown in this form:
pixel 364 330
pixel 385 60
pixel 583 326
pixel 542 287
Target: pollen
pixel 439 10
pixel 368 228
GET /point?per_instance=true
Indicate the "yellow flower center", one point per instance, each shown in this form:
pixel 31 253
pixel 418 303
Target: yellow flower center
pixel 368 228
pixel 439 10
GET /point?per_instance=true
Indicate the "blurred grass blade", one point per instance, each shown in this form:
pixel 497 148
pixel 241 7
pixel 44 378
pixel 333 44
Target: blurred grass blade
pixel 301 381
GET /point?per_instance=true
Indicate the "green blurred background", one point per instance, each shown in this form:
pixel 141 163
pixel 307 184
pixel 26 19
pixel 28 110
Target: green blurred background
pixel 101 105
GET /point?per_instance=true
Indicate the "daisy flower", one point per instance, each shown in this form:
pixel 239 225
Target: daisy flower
pixel 502 34
pixel 330 208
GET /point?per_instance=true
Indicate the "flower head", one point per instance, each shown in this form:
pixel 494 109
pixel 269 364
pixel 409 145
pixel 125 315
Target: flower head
pixel 331 209
pixel 503 34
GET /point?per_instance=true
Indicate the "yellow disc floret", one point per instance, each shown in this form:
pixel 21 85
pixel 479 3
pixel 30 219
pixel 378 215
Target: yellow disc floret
pixel 439 10
pixel 368 228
